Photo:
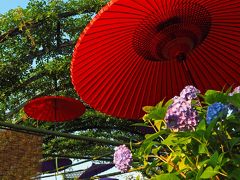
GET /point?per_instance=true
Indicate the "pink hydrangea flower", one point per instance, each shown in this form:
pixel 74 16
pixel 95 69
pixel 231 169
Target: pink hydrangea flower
pixel 122 158
pixel 189 93
pixel 181 116
pixel 236 90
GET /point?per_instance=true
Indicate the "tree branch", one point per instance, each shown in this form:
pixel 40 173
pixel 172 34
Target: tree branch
pixel 32 24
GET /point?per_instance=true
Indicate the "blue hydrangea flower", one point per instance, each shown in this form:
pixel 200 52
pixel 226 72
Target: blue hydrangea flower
pixel 122 158
pixel 214 111
pixel 189 92
pixel 181 116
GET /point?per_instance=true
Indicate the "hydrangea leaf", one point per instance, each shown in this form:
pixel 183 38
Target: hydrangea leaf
pixel 235 100
pixel 168 176
pixel 201 126
pixel 210 128
pixel 212 96
pixel 234 141
pixel 235 174
pixel 148 109
pixel 202 149
pixel 214 160
pixel 208 173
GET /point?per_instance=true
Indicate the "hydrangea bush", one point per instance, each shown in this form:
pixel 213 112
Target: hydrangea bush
pixel 197 136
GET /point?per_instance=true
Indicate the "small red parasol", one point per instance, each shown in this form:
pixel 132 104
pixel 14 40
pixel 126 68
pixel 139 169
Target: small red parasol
pixel 136 52
pixel 54 108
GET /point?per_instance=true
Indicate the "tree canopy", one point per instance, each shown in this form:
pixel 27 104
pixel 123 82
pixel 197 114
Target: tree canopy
pixel 36 44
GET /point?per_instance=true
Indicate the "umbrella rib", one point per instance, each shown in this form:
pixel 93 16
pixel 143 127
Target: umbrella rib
pixel 107 34
pixel 225 39
pixel 101 50
pixel 216 5
pixel 196 70
pixel 208 52
pixel 129 7
pixel 90 48
pixel 206 75
pixel 219 52
pixel 124 84
pixel 219 42
pixel 110 67
pixel 132 87
pixel 153 10
pixel 103 53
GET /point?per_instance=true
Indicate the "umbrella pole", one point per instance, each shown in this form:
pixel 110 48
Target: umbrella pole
pixel 55 127
pixel 188 72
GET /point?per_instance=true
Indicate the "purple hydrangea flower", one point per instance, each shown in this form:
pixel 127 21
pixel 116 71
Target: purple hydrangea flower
pixel 181 116
pixel 235 91
pixel 122 158
pixel 214 111
pixel 189 93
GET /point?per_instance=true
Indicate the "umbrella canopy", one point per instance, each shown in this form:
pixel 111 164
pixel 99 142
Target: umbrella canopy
pixel 135 53
pixel 54 108
pixel 49 166
pixel 95 169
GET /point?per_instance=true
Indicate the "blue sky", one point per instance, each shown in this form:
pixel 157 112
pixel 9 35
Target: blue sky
pixel 11 4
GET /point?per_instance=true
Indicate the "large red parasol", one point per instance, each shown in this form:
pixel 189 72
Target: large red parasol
pixel 137 52
pixel 54 108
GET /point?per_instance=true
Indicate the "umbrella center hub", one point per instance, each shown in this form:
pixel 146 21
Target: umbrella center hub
pixel 164 37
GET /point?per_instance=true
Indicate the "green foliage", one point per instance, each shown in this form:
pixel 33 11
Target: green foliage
pixel 36 49
pixel 210 151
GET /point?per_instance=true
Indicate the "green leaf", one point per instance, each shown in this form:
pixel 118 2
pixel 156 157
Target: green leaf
pixel 208 173
pixel 212 96
pixel 168 103
pixel 201 126
pixel 213 160
pixel 156 113
pixel 150 137
pixel 234 141
pixel 210 92
pixel 235 100
pixel 210 128
pixel 159 105
pixel 168 176
pixel 148 149
pixel 202 149
pixel 199 174
pixel 235 174
pixel 148 142
pixel 174 139
pixel 148 109
pixel 182 164
pixel 170 140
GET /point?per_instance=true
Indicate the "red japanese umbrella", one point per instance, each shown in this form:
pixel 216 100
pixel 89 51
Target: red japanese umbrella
pixel 54 108
pixel 136 52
